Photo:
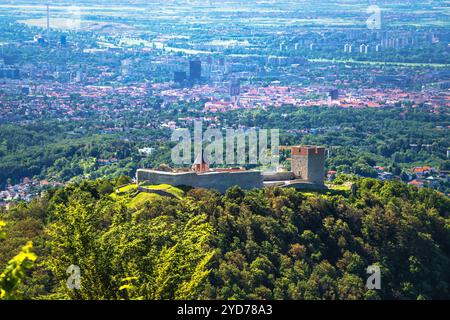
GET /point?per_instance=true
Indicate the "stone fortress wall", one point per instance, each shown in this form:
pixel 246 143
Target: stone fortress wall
pixel 220 181
pixel 278 176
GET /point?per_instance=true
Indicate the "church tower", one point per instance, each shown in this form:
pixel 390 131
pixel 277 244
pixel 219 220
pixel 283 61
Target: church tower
pixel 201 163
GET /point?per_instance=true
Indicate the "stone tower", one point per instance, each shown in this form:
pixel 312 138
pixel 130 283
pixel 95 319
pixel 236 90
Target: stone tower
pixel 308 163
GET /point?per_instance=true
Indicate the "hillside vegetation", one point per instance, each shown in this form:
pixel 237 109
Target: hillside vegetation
pixel 261 244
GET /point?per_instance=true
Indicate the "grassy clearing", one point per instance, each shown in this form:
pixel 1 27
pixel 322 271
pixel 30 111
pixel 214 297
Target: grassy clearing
pixel 135 198
pixel 167 188
pixel 142 198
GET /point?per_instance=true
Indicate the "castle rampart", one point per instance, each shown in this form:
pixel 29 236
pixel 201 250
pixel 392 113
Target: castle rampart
pixel 220 181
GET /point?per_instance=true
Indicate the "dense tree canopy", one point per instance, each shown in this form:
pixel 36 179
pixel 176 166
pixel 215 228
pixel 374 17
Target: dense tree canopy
pixel 261 244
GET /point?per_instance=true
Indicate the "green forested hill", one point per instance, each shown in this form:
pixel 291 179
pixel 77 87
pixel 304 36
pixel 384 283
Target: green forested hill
pixel 260 244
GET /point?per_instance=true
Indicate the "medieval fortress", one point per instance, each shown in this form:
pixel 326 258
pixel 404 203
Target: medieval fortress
pixel 307 172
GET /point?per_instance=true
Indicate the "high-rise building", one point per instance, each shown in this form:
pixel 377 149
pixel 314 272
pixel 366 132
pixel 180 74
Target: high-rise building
pixel 25 90
pixel 125 66
pixel 63 40
pixel 195 70
pixel 334 94
pixel 179 76
pixel 235 87
pixel 78 76
pixel 9 73
pixel 235 90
